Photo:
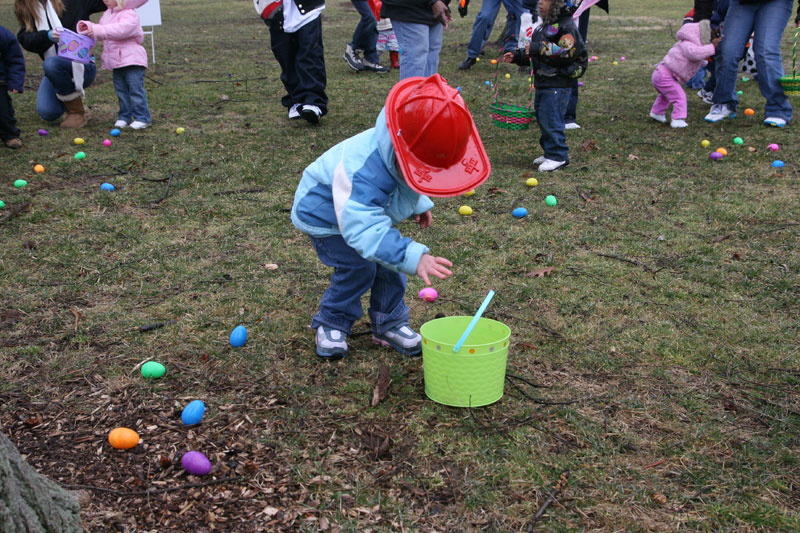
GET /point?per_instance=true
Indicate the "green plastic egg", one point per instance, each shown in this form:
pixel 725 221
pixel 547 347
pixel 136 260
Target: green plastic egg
pixel 153 370
pixel 80 155
pixel 550 200
pixel 20 184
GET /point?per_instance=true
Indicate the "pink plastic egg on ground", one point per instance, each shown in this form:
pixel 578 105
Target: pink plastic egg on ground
pixel 428 294
pixel 774 147
pixel 622 58
pixel 107 142
pixel 716 155
pixel 196 463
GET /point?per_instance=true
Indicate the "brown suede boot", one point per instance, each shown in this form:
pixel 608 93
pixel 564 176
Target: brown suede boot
pixel 76 114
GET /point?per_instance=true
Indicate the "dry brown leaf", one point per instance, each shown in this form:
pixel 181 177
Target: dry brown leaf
pixel 632 157
pixel 590 145
pixel 659 498
pixel 381 389
pixel 271 266
pixel 540 272
pixel 720 238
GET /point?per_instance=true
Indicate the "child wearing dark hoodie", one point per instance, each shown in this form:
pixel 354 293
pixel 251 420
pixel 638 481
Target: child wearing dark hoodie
pixel 559 57
pixel 12 77
pixel 681 63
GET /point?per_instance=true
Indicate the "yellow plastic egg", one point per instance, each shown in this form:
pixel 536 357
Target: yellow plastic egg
pixel 465 210
pixel 470 192
pixel 615 63
pixel 123 438
pixel 179 130
pixel 78 140
pixel 477 59
pixel 723 151
pixel 705 143
pixel 531 182
pixel 508 76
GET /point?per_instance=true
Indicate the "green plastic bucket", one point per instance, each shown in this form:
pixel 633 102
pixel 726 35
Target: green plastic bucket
pixel 474 376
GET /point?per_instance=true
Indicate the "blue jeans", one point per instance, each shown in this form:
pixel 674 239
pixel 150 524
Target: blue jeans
pixel 767 20
pixel 352 277
pixel 550 106
pixel 572 106
pixel 57 79
pixel 419 48
pixel 129 85
pixel 484 22
pixel 365 37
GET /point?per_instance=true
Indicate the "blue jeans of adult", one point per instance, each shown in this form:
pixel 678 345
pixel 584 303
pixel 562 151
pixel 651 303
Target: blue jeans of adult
pixel 419 48
pixel 302 60
pixel 484 22
pixel 129 85
pixel 550 105
pixel 767 21
pixel 57 80
pixel 572 106
pixel 365 37
pixel 352 277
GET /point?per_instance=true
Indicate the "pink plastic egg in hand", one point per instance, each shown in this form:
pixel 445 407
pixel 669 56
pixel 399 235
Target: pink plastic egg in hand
pixel 196 463
pixel 107 142
pixel 428 294
pixel 774 147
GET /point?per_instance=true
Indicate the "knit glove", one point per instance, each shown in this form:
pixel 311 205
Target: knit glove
pixel 462 7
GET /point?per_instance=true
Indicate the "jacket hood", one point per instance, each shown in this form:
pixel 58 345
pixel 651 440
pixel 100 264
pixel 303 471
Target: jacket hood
pixel 134 4
pixel 695 32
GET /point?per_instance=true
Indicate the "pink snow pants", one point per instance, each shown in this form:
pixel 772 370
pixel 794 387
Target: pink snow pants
pixel 670 91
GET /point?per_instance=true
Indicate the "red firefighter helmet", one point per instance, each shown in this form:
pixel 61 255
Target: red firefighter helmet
pixel 438 148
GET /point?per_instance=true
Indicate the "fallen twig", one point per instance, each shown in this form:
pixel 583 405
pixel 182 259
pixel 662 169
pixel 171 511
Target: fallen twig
pixel 653 465
pixel 157 325
pixel 542 401
pixel 562 481
pixel 646 268
pixel 166 191
pixel 532 384
pixel 583 195
pixel 74 312
pixel 14 211
pixel 240 191
pixel 73 486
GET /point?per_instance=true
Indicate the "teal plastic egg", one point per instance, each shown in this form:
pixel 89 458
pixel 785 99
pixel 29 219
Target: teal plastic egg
pixel 238 336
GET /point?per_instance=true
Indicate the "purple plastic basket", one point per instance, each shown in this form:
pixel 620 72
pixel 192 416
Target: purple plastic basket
pixel 74 46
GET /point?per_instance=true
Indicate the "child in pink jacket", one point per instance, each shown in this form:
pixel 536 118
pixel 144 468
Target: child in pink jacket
pixel 125 56
pixel 681 63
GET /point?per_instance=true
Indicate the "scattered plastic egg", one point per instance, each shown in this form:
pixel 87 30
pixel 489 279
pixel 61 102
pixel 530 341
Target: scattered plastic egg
pixel 722 151
pixel 38 169
pixel 580 83
pixel 428 294
pixel 114 133
pixel 238 336
pixel 193 412
pixel 738 141
pixel 153 370
pixel 715 155
pixel 550 200
pixel 777 163
pixel 123 438
pixel 465 210
pixel 494 61
pixel 470 192
pixel 80 155
pixel 745 80
pixel 43 132
pixel 477 59
pixel 773 147
pixel 531 182
pixel 78 140
pixel 106 142
pixel 622 58
pixel 106 187
pixel 739 93
pixel 2 204
pixel 196 463
pixel 519 212
pixel 705 143
pixel 20 183
pixel 508 76
pixel 179 130
pixel 487 82
pixel 614 63
pixel 749 111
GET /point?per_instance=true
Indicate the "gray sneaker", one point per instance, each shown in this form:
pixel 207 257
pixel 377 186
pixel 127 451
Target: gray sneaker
pixel 331 343
pixel 353 59
pixel 402 338
pixel 374 67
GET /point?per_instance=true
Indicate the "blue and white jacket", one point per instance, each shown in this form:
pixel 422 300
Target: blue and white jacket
pixel 355 190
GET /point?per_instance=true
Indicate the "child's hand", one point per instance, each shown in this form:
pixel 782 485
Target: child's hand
pixel 424 220
pixel 433 266
pixel 54 35
pixel 508 57
pixel 715 41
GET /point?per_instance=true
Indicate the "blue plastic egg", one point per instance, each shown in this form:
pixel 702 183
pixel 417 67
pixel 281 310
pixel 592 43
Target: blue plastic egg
pixel 777 163
pixel 193 413
pixel 106 187
pixel 114 133
pixel 238 336
pixel 520 212
pixel 487 82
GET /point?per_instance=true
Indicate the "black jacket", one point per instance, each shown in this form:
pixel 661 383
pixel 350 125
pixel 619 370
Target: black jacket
pixel 410 11
pixel 12 62
pixel 74 10
pixel 703 9
pixel 558 53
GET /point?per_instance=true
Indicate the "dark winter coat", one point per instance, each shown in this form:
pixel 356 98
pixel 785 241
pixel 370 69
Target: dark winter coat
pixel 74 10
pixel 410 11
pixel 12 62
pixel 703 9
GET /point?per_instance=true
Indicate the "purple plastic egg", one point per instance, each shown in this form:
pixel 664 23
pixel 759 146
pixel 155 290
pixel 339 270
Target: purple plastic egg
pixel 43 132
pixel 716 155
pixel 580 84
pixel 196 463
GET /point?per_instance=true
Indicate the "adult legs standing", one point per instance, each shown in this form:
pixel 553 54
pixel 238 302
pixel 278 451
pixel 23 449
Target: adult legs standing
pixel 365 36
pixel 771 19
pixel 420 45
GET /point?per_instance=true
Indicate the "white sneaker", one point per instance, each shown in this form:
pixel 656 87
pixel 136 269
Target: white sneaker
pixel 294 112
pixel 138 125
pixel 120 124
pixel 659 118
pixel 402 338
pixel 775 121
pixel 720 112
pixel 311 113
pixel 331 343
pixel 549 165
pixel 705 96
pixel 678 123
pixel 539 160
pixel 572 126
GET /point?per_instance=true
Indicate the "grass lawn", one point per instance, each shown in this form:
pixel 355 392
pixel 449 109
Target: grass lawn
pixel 656 368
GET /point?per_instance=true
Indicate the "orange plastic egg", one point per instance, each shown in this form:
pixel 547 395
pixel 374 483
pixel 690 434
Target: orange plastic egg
pixel 723 151
pixel 38 169
pixel 123 438
pixel 494 61
pixel 749 111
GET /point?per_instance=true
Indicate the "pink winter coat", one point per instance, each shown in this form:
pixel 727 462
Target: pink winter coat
pixel 123 36
pixel 686 56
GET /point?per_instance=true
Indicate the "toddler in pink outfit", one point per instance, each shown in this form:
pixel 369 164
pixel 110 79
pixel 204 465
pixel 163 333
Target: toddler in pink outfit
pixel 681 63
